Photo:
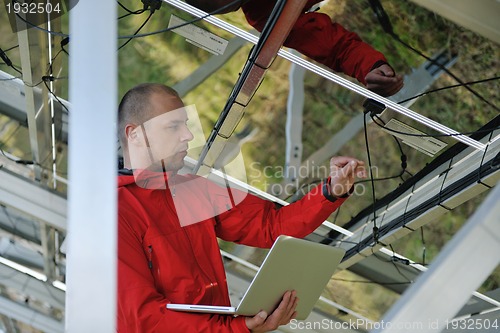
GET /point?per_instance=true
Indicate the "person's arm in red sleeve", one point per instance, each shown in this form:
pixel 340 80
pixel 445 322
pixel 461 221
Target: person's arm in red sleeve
pixel 316 36
pixel 141 308
pixel 258 222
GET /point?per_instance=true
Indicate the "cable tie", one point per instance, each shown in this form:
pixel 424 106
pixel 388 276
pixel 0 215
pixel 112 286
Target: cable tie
pixel 48 78
pixel 376 234
pixel 403 162
pixel 153 5
pixel 401 260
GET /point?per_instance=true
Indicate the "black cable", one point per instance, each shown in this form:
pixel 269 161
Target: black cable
pixel 406 262
pixel 375 228
pixel 49 78
pixel 64 42
pixel 18 161
pixel 381 179
pixel 139 11
pixel 11 48
pixel 33 85
pixel 130 12
pixel 437 162
pixel 182 24
pixel 221 9
pixel 462 83
pixel 8 62
pixel 449 87
pixel 49 70
pixel 123 16
pixel 139 29
pixel 387 26
pixel 50 32
pixel 404 158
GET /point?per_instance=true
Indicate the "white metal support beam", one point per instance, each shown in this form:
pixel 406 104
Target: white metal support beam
pixel 49 251
pixel 32 287
pixel 293 129
pixel 29 316
pixel 40 203
pixel 460 268
pixel 13 104
pixel 32 107
pixel 92 204
pixel 209 67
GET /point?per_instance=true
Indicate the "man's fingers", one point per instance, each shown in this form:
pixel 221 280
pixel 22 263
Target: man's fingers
pixel 291 301
pixel 352 166
pixel 290 313
pixel 345 167
pixel 256 321
pixel 285 312
pixel 341 161
pixel 384 81
pixel 386 70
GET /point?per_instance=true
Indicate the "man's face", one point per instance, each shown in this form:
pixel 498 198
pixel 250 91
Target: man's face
pixel 165 137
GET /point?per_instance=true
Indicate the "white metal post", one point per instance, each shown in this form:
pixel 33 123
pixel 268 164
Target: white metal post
pixel 464 263
pixel 92 207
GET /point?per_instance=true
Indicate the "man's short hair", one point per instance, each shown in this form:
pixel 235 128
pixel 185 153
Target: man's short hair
pixel 135 106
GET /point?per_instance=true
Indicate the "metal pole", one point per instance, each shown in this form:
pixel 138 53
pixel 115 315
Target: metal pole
pixel 430 304
pixel 92 206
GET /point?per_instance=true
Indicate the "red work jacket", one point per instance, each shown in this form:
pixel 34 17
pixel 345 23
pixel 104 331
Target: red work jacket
pixel 160 261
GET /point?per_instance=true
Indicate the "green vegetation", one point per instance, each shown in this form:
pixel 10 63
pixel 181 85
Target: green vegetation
pixel 167 58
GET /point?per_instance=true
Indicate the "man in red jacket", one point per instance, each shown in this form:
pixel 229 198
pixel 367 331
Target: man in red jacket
pixel 316 36
pixel 169 224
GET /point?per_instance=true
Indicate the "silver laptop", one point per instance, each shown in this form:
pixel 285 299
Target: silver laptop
pixel 291 264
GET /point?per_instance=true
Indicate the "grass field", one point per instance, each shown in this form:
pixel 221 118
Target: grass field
pixel 167 58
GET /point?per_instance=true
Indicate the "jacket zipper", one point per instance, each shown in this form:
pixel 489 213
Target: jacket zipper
pixel 199 266
pixel 150 256
pixel 192 251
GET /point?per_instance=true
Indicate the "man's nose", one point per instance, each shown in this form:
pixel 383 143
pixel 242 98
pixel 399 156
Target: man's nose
pixel 187 135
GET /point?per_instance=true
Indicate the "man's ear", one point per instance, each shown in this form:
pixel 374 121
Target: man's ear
pixel 133 135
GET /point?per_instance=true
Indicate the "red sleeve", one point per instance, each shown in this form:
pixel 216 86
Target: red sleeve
pixel 316 36
pixel 142 309
pixel 258 222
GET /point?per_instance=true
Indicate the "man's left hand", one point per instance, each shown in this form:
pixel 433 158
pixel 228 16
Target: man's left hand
pixel 383 81
pixel 343 171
